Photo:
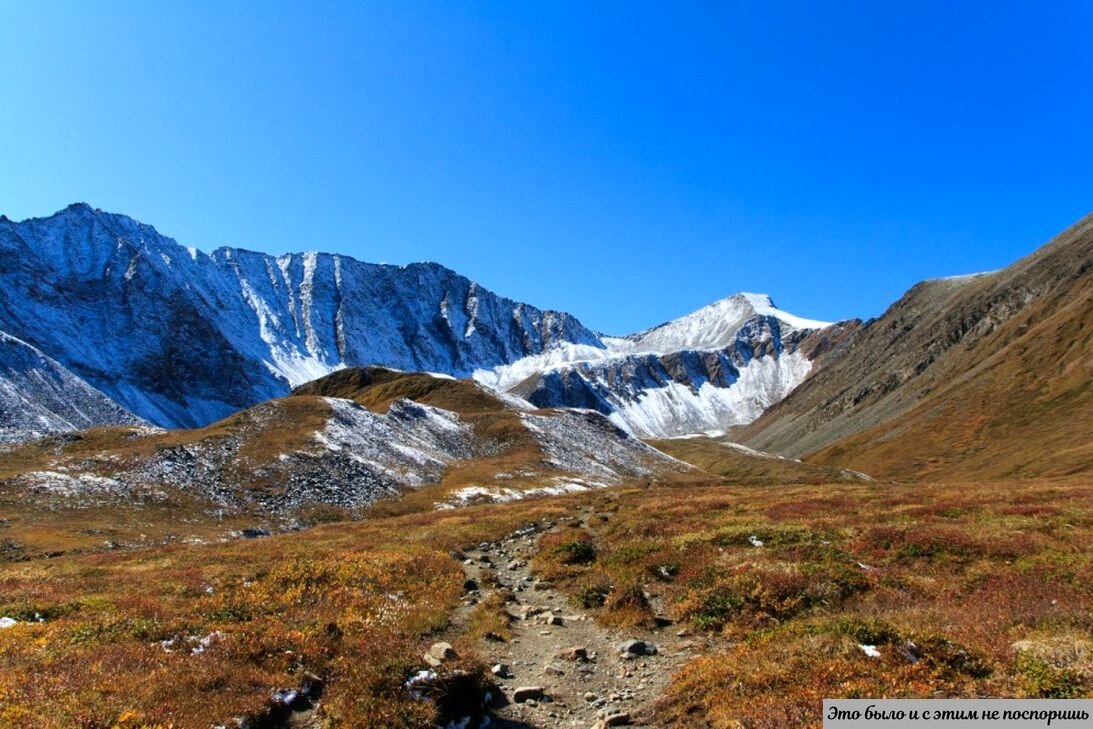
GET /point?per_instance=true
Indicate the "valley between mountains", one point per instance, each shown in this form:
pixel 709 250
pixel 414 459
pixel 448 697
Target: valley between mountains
pixel 239 490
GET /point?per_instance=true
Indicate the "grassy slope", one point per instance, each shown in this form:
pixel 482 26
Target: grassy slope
pixel 982 377
pixel 349 602
pixel 507 456
pixel 1024 411
pixel 843 565
pixel 736 466
pixel 268 430
pixel 376 388
pixel 33 525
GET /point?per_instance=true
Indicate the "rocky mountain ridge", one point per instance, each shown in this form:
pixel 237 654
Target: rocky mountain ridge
pixel 715 368
pixel 38 395
pixel 181 338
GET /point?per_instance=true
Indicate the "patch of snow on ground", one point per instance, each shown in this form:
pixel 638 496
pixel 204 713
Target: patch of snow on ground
pixel 411 443
pixel 758 454
pixel 471 494
pixel 964 276
pixel 763 306
pixel 414 682
pixel 584 441
pixel 63 484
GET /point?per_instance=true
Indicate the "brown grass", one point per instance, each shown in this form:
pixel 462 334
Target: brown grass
pixel 352 603
pixel 839 565
pixel 715 456
pixel 377 388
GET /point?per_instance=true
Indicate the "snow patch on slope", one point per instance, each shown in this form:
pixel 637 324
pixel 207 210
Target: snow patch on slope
pixel 411 443
pixel 678 409
pixel 475 494
pixel 648 389
pixel 560 355
pixel 39 396
pixel 584 441
pixel 711 327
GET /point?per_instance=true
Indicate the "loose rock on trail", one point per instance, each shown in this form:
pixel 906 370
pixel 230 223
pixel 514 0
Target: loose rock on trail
pixel 561 668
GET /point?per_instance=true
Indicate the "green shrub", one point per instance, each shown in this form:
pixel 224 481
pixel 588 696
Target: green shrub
pixel 576 552
pixel 1041 679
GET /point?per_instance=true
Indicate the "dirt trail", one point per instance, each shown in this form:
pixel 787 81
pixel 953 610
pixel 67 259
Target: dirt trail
pixel 580 690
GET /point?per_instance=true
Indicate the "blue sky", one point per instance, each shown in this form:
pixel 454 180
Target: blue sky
pixel 627 162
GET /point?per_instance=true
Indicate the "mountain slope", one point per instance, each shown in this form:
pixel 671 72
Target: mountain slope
pixel 707 371
pixel 739 464
pixel 39 396
pixel 182 338
pixel 982 376
pixel 324 446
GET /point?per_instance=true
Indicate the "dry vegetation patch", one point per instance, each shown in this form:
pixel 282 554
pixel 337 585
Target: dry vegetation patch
pixel 987 594
pixel 192 636
pixel 984 594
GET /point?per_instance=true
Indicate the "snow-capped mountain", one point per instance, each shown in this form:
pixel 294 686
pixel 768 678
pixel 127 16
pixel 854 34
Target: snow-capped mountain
pixel 720 366
pixel 181 338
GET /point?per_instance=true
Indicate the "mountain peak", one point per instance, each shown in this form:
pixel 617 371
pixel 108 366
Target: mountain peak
pixel 181 340
pixel 716 325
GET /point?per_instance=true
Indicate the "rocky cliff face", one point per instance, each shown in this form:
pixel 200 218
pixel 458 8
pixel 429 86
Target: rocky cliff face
pixel 182 338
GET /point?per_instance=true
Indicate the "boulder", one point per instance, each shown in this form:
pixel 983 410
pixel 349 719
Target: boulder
pixel 576 653
pixel 637 648
pixel 440 652
pixel 527 693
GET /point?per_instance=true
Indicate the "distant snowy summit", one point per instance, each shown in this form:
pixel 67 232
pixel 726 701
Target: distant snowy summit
pixel 719 366
pixel 180 338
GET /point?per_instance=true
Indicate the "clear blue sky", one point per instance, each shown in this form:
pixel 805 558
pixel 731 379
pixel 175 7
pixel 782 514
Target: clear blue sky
pixel 627 162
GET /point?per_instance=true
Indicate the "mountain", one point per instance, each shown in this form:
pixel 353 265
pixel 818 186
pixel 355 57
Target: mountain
pixel 346 440
pixel 981 376
pixel 717 367
pixel 182 339
pixel 39 396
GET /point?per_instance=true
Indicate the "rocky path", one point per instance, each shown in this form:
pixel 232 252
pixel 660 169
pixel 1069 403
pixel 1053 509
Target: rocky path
pixel 561 668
